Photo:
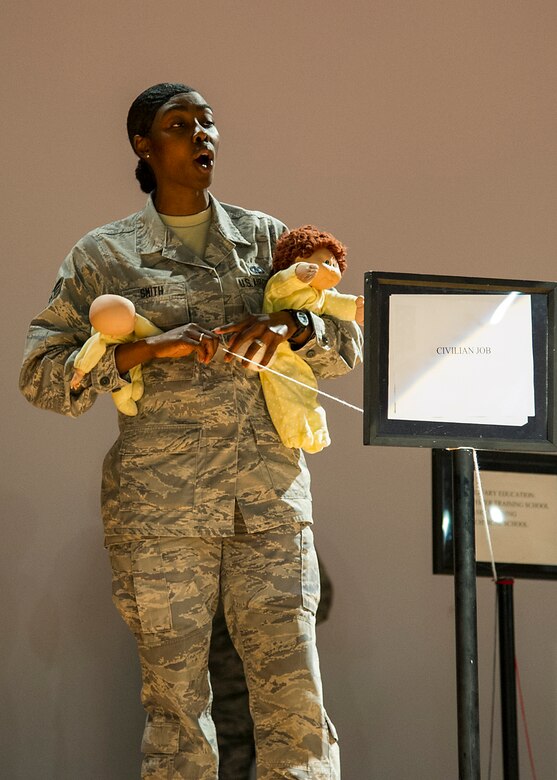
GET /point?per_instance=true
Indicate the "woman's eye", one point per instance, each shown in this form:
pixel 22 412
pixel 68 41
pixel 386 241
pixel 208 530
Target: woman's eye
pixel 207 123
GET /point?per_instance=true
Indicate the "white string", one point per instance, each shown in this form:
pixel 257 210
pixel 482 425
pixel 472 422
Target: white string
pixel 296 381
pixel 484 515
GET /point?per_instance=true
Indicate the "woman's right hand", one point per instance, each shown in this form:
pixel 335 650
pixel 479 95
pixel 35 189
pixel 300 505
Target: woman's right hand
pixel 182 341
pixel 176 343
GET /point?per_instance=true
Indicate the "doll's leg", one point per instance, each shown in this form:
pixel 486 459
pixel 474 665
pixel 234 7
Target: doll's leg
pixel 296 413
pixel 270 585
pixel 123 400
pixel 166 590
pixel 138 387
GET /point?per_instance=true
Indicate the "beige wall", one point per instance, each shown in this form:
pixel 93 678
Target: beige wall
pixel 424 135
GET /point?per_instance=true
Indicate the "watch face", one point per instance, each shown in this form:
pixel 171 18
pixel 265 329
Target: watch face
pixel 303 318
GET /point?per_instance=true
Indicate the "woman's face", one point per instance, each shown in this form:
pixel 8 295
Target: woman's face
pixel 182 143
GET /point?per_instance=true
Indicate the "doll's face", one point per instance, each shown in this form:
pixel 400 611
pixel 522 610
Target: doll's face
pixel 328 274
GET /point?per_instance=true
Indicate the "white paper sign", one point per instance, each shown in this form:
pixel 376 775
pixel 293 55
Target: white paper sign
pixel 461 358
pixel 522 516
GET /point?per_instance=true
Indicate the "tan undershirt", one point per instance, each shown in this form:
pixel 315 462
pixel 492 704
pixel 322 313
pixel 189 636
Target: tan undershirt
pixel 192 230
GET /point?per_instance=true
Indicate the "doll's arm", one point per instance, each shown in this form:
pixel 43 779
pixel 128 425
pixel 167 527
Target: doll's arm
pixel 144 327
pixel 306 272
pixel 87 357
pixel 344 307
pixel 285 290
pixel 360 309
pixel 339 305
pixel 336 346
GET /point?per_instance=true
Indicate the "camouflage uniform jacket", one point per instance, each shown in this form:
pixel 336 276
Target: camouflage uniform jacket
pixel 203 437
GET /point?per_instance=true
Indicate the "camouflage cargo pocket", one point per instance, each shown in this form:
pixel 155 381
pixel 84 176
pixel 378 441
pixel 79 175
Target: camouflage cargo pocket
pixel 159 468
pixel 151 587
pixel 139 587
pixel 161 736
pixel 285 466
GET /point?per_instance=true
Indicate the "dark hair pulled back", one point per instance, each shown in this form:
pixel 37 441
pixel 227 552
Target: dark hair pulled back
pixel 140 118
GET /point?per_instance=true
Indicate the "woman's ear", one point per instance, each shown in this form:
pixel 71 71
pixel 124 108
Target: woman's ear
pixel 141 146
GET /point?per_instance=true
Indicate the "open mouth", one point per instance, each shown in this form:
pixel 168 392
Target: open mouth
pixel 205 160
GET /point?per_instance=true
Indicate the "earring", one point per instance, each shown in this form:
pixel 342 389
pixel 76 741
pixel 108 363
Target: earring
pixel 147 156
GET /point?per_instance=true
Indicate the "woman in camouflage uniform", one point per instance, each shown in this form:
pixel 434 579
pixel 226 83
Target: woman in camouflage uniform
pixel 199 496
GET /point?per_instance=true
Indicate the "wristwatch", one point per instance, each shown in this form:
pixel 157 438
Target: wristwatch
pixel 301 320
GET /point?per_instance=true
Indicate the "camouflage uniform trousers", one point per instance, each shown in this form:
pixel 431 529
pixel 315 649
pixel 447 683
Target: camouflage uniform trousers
pixel 167 591
pixel 230 709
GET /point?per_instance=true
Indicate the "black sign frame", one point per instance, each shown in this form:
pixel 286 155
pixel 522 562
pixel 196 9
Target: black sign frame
pixel 443 469
pixel 539 434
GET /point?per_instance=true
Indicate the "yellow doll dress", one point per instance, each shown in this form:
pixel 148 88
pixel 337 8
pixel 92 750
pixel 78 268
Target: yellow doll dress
pixel 94 348
pixel 296 413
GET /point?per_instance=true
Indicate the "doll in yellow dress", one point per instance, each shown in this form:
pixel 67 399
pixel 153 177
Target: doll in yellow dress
pixel 307 264
pixel 114 321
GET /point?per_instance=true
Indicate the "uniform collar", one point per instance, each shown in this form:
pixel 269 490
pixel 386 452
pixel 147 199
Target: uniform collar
pixel 154 237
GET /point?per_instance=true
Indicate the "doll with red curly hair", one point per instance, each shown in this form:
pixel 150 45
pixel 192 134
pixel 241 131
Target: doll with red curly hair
pixel 307 265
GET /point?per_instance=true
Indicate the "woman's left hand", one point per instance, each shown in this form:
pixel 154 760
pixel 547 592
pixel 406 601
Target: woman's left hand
pixel 257 330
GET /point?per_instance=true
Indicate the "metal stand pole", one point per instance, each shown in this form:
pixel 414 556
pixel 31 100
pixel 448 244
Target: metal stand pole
pixel 505 609
pixel 466 617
